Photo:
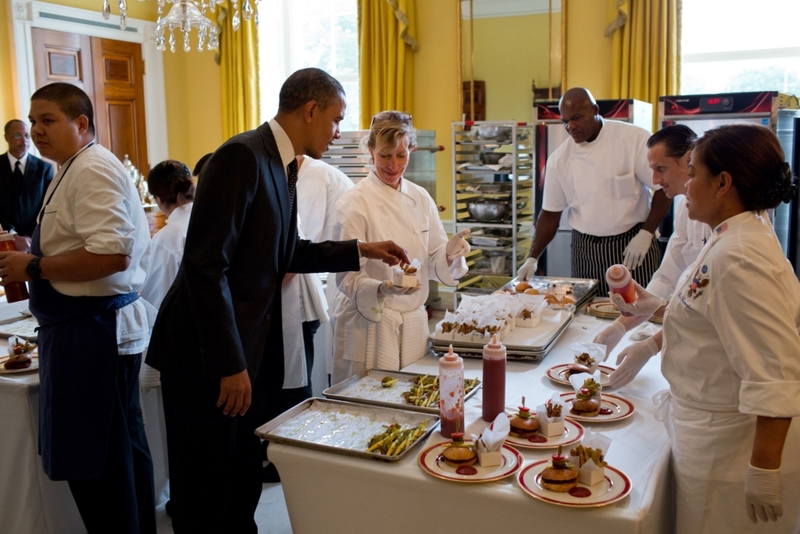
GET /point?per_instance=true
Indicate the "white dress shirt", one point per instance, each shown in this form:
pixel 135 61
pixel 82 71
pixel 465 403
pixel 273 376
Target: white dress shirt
pixel 22 162
pixel 606 184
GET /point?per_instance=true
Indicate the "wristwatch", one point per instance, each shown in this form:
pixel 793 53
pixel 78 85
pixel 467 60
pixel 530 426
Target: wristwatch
pixel 33 269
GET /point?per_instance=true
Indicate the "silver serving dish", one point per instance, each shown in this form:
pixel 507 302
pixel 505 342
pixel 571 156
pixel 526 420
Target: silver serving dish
pixel 365 388
pixel 298 426
pixel 489 210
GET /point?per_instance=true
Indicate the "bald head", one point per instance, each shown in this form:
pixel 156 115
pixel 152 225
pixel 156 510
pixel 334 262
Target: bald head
pixel 580 115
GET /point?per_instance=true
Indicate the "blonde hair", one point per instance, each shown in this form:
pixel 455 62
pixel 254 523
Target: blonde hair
pixel 388 127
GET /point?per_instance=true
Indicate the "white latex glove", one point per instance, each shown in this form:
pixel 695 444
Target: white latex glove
pixel 645 304
pixel 387 288
pixel 762 494
pixel 528 269
pixel 610 337
pixel 457 246
pixel 631 360
pixel 637 249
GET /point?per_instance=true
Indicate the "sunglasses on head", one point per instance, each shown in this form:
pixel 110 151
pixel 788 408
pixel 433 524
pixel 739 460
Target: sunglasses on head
pixel 397 115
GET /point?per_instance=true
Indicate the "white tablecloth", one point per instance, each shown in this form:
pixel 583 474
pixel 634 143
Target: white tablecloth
pixel 31 503
pixel 333 493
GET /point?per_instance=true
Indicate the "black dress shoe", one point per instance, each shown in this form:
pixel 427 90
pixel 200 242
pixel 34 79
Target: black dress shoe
pixel 269 475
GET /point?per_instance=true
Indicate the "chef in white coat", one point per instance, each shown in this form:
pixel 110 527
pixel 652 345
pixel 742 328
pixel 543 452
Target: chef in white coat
pixel 379 325
pixel 730 345
pixel 668 152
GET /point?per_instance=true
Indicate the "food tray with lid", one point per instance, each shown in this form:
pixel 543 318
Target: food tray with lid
pixel 365 387
pixel 342 427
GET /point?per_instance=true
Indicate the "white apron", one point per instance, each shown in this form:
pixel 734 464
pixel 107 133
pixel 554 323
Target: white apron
pixel 712 370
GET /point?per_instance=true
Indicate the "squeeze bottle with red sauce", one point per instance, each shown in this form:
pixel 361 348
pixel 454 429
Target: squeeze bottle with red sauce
pixel 494 379
pixel 620 281
pixel 451 393
pixel 15 291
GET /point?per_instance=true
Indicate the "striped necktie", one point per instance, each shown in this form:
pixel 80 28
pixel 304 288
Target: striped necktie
pixel 292 175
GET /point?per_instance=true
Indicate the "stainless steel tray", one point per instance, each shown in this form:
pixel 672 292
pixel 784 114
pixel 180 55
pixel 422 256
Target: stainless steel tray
pixel 473 350
pixel 365 388
pixel 582 289
pixel 350 425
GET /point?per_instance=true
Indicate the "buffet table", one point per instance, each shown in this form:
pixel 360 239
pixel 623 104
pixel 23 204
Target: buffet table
pixel 29 501
pixel 334 493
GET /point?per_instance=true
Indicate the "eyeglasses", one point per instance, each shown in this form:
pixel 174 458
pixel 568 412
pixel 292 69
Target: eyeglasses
pixel 19 136
pixel 397 115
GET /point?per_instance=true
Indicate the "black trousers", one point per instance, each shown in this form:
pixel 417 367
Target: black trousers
pixel 123 500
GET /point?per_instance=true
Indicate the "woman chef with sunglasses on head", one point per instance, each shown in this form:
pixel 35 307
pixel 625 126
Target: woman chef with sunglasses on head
pixel 378 324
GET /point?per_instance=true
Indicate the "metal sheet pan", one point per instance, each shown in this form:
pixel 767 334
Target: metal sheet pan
pixel 350 425
pixel 470 350
pixel 365 388
pixel 583 289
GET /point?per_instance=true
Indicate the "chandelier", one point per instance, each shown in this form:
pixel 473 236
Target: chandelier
pixel 185 15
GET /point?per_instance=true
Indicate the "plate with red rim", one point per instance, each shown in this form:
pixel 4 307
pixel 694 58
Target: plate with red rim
pixel 615 486
pixel 431 461
pixel 604 309
pixel 558 374
pixel 573 433
pixel 34 366
pixel 620 408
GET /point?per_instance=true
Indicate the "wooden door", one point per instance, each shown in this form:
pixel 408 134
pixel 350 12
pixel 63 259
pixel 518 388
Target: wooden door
pixel 112 74
pixel 119 109
pixel 62 57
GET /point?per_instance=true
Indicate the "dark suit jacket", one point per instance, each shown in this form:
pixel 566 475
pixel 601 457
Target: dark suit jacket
pixel 18 209
pixel 241 240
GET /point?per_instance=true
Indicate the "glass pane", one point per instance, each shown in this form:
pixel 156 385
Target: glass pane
pixel 746 75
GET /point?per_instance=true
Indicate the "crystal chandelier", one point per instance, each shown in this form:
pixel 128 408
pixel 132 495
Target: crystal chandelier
pixel 184 15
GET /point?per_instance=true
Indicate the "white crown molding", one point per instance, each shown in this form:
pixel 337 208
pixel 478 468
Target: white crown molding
pixel 33 14
pixel 482 9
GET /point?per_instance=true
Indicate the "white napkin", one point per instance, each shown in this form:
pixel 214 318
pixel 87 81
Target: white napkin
pixel 495 434
pixel 594 350
pixel 578 379
pixel 644 331
pixel 541 410
pixel 594 440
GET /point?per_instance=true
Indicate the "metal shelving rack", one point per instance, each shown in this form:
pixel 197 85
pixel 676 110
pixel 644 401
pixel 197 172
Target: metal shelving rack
pixel 476 145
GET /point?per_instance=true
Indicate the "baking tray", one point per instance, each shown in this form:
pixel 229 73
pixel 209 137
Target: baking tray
pixel 350 426
pixel 365 388
pixel 513 352
pixel 581 289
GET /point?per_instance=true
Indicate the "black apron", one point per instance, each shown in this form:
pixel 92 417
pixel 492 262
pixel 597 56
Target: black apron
pixel 78 360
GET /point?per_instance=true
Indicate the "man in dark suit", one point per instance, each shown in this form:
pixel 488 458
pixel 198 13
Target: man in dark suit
pixel 23 180
pixel 218 337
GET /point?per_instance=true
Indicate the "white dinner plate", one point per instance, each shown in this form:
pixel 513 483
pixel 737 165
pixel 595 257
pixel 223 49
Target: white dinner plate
pixel 573 432
pixel 430 460
pixel 602 308
pixel 614 487
pixel 620 408
pixel 558 374
pixel 33 367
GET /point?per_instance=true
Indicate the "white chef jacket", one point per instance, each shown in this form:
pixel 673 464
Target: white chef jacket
pixel 606 183
pixel 97 207
pixel 374 211
pixel 687 239
pixel 165 255
pixel 730 353
pixel 319 187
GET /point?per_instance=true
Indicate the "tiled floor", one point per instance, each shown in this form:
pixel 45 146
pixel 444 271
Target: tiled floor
pixel 271 514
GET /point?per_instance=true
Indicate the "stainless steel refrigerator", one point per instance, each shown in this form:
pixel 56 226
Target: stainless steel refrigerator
pixel 550 133
pixel 766 108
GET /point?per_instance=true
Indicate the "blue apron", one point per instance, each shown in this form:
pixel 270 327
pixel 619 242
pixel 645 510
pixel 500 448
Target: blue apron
pixel 78 360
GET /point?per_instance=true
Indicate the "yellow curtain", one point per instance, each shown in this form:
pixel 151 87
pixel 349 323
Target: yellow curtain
pixel 646 48
pixel 238 61
pixel 386 56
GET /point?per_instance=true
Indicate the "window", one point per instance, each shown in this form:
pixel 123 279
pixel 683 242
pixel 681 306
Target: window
pixel 740 45
pixel 294 34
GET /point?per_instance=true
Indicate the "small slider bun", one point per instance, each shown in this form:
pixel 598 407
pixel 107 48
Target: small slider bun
pixel 586 408
pixel 458 453
pixel 18 363
pixel 560 480
pixel 575 368
pixel 524 423
pixel 531 291
pixel 522 286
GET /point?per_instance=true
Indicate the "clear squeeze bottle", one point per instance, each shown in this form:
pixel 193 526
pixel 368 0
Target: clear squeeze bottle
pixel 15 291
pixel 620 281
pixel 451 393
pixel 494 379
